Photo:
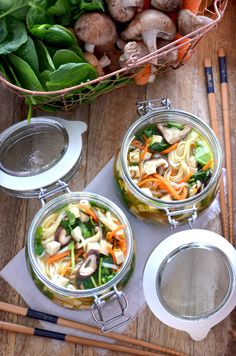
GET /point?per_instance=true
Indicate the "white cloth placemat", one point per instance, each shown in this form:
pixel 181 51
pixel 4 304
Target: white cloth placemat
pixel 147 238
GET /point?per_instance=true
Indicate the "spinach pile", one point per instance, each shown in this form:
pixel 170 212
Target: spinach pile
pixel 37 51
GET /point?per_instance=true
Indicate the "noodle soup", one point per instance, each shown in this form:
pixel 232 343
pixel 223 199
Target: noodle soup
pixel 170 162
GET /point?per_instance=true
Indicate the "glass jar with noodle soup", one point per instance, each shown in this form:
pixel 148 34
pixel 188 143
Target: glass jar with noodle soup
pixel 80 248
pixel 169 165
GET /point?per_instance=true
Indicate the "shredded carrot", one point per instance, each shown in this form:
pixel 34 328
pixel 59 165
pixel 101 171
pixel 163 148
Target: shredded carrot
pixel 67 266
pixel 192 5
pixel 168 187
pixel 207 165
pixel 57 257
pixel 148 180
pixel 186 178
pixel 112 233
pixel 145 150
pixel 112 255
pixel 137 144
pixel 171 148
pixel 90 212
pixel 184 193
pixel 142 77
pixel 123 246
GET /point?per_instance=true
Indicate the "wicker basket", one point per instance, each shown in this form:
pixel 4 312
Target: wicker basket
pixel 68 98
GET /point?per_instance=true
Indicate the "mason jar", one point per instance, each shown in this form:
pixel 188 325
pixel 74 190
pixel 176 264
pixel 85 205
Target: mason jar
pixel 151 209
pixel 37 161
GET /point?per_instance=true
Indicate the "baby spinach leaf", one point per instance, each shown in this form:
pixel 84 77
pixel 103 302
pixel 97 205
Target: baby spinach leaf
pixel 203 153
pixel 16 36
pixel 158 146
pixel 28 53
pixel 61 7
pixel 71 74
pixel 55 35
pixel 177 125
pixel 75 48
pixel 45 60
pixel 83 6
pixel 38 14
pixel 8 7
pixel 63 56
pixel 3 29
pixel 24 73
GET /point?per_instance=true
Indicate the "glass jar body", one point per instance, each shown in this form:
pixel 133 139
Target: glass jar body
pixel 77 299
pixel 156 210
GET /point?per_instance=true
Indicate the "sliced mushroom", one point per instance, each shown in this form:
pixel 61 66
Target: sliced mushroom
pixel 124 10
pixel 97 237
pixel 108 221
pixel 89 266
pixel 150 167
pixel 61 236
pixel 173 134
pixel 150 24
pixel 188 22
pixel 167 5
pixel 95 29
pixel 96 63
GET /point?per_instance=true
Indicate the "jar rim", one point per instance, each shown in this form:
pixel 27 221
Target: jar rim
pixel 49 207
pixel 191 120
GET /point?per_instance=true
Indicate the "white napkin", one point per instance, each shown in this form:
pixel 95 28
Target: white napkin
pixel 147 238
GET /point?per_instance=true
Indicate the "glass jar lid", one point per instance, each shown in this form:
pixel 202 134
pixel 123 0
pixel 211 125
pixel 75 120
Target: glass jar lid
pixel 36 155
pixel 190 281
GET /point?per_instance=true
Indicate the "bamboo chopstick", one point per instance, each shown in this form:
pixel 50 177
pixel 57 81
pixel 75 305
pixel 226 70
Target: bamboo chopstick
pixel 228 156
pixel 20 329
pixel 214 125
pixel 83 327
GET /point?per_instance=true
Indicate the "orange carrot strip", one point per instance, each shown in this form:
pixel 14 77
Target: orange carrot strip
pixel 67 266
pixel 137 144
pixel 90 212
pixel 148 140
pixel 123 245
pixel 186 178
pixel 112 255
pixel 184 193
pixel 110 234
pixel 57 257
pixel 183 52
pixel 171 148
pixel 142 77
pixel 148 180
pixel 207 165
pixel 192 5
pixel 169 187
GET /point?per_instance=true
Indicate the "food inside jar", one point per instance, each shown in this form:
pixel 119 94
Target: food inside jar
pixel 170 161
pixel 81 246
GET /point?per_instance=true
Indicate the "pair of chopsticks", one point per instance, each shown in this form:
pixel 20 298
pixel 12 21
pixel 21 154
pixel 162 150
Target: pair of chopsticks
pixel 228 228
pixel 79 326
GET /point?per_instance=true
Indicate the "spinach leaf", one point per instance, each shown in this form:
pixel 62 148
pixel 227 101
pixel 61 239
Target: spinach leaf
pixel 28 53
pixel 203 153
pixel 55 35
pixel 69 222
pixel 9 7
pixel 158 146
pixel 24 73
pixel 87 229
pixel 38 14
pixel 202 176
pixel 3 29
pixel 86 5
pixel 150 130
pixel 71 74
pixel 45 60
pixel 38 241
pixel 16 35
pixel 100 206
pixel 61 7
pixel 63 56
pixel 177 125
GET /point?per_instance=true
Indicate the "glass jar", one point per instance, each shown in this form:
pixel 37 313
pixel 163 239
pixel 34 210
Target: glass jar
pixel 152 209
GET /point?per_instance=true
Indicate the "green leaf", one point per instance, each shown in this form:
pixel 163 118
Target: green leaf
pixel 45 60
pixel 10 6
pixel 24 73
pixel 70 74
pixel 87 5
pixel 38 14
pixel 3 29
pixel 63 56
pixel 28 53
pixel 55 35
pixel 86 231
pixel 158 146
pixel 201 175
pixel 16 35
pixel 61 7
pixel 203 153
pixel 150 130
pixel 38 241
pixel 177 125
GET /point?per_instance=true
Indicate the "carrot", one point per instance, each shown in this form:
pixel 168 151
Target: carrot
pixel 184 193
pixel 207 165
pixel 67 266
pixel 145 150
pixel 186 178
pixel 183 51
pixel 142 77
pixel 90 212
pixel 192 5
pixel 171 148
pixel 148 180
pixel 112 233
pixel 112 255
pixel 137 144
pixel 123 246
pixel 57 257
pixel 169 187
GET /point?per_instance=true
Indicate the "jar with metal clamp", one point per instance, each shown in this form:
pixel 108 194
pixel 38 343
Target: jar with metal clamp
pixel 169 132
pixel 37 160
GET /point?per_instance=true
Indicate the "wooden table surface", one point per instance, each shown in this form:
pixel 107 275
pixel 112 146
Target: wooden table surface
pixel 108 119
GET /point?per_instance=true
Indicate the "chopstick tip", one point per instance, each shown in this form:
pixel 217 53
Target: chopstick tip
pixel 207 62
pixel 221 52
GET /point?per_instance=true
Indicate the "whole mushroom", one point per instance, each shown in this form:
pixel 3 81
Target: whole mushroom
pixel 124 10
pixel 95 29
pixel 188 22
pixel 167 5
pixel 150 24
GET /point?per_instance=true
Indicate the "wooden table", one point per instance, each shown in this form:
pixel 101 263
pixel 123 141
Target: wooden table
pixel 108 118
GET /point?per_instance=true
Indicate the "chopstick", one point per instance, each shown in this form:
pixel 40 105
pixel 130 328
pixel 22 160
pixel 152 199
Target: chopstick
pixel 228 156
pixel 28 312
pixel 214 125
pixel 20 329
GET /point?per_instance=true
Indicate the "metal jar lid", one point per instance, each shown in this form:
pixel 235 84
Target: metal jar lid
pixel 37 155
pixel 189 281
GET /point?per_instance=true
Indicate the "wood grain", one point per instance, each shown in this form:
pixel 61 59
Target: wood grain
pixel 107 119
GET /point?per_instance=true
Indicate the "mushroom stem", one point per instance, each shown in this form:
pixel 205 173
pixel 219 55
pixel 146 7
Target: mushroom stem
pixel 104 61
pixel 89 47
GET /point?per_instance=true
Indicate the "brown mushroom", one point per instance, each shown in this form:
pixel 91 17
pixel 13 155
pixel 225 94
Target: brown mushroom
pixel 97 64
pixel 95 29
pixel 61 236
pixel 167 5
pixel 124 10
pixel 188 22
pixel 150 24
pixel 169 58
pixel 89 266
pixel 173 134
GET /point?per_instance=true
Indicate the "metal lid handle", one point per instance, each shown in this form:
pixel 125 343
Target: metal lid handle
pixel 174 223
pixel 147 106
